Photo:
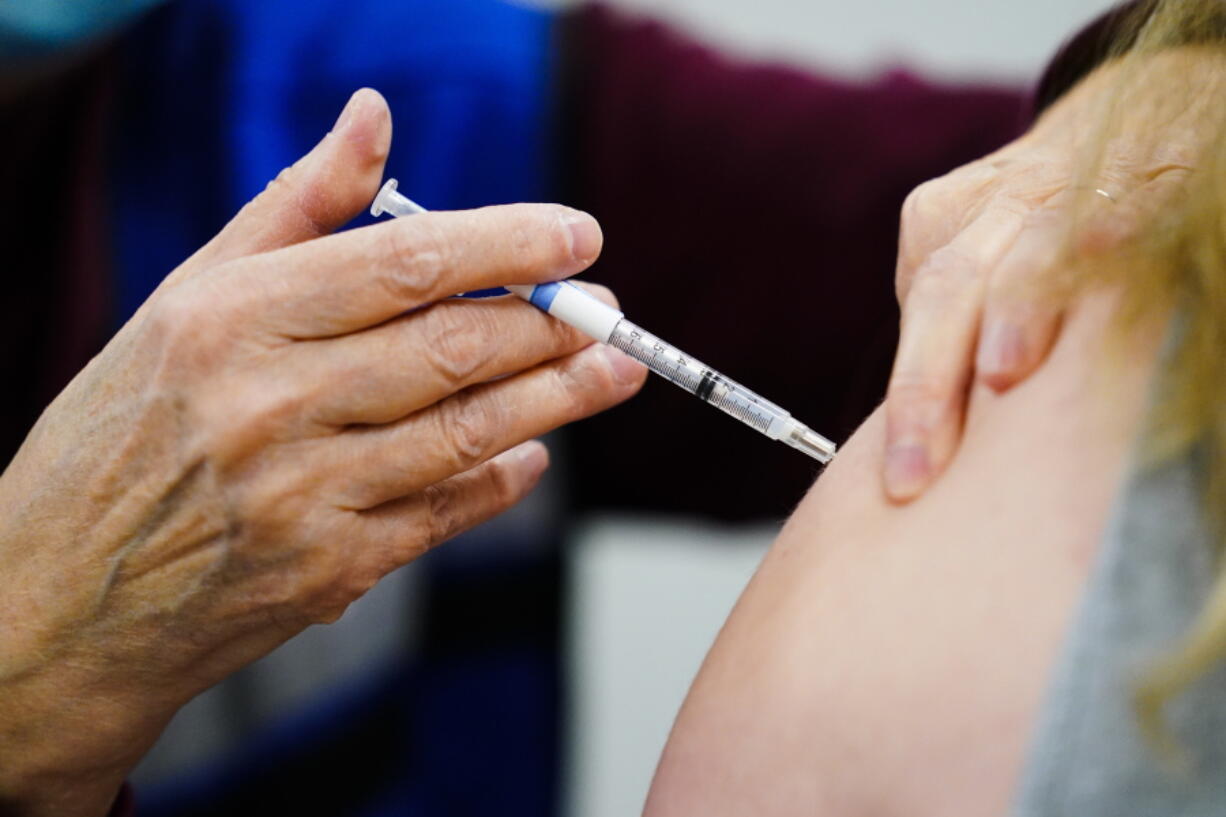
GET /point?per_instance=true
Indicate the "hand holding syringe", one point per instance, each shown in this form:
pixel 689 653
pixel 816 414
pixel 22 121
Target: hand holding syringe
pixel 573 306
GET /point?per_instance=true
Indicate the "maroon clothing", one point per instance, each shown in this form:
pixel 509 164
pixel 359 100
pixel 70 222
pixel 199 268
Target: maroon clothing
pixel 750 215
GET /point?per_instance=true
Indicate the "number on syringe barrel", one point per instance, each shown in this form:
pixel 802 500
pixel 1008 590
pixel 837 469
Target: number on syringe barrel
pixel 663 359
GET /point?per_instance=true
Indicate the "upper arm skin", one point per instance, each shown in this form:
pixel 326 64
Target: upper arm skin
pixel 890 660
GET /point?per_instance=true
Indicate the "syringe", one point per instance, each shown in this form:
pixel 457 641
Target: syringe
pixel 570 304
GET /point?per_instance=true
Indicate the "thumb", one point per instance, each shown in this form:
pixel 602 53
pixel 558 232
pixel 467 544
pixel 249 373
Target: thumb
pixel 319 193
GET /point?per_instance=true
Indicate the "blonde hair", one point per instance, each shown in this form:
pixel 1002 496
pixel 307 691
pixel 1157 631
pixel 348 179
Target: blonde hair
pixel 1175 263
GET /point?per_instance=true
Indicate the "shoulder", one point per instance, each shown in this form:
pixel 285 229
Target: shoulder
pixel 891 659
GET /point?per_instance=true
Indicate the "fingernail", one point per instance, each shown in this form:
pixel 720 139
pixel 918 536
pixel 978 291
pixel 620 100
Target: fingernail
pixel 347 113
pixel 906 469
pixel 1002 348
pixel 585 236
pixel 533 456
pixel 625 368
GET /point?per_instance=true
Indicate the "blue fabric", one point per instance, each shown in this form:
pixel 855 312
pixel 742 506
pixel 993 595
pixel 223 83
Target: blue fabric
pixel 220 95
pixel 411 739
pixel 217 96
pixel 32 29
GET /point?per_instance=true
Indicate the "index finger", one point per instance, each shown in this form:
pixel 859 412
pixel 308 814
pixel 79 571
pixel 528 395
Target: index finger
pixel 940 320
pixel 360 278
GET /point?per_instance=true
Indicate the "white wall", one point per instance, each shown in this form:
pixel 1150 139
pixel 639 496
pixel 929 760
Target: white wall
pixel 950 38
pixel 650 596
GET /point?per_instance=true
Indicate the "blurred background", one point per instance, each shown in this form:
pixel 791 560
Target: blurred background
pixel 730 149
pixel 947 39
pixel 649 592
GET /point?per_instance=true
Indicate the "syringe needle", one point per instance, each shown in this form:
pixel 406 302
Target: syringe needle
pixel 573 306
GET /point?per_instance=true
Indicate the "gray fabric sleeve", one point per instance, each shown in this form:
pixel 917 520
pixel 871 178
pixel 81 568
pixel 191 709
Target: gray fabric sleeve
pixel 1153 575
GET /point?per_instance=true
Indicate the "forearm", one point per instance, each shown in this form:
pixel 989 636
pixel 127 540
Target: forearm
pixel 30 786
pixel 70 727
pixel 67 739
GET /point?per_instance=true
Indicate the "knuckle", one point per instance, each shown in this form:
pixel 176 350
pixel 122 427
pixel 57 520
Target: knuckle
pixel 185 331
pixel 913 388
pixel 935 195
pixel 914 401
pixel 578 385
pixel 305 587
pixel 293 569
pixel 329 611
pixel 443 518
pixel 179 314
pixel 328 581
pixel 273 500
pixel 457 343
pixel 922 221
pixel 281 185
pixel 538 236
pixel 265 413
pixel 916 202
pixel 303 193
pixel 353 580
pixel 251 423
pixel 450 509
pixel 925 191
pixel 420 255
pixel 365 491
pixel 946 273
pixel 282 181
pixel 523 237
pixel 326 600
pixel 468 427
pixel 949 199
pixel 365 473
pixel 501 485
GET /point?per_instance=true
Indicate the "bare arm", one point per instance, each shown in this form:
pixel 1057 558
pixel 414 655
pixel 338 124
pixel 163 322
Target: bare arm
pixel 891 659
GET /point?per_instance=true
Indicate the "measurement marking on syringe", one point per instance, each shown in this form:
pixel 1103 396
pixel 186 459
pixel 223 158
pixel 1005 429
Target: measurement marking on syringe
pixel 574 306
pixel 744 413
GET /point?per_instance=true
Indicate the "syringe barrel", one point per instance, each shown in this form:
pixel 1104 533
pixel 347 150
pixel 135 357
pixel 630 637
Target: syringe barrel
pixel 580 309
pixel 699 379
pixel 606 324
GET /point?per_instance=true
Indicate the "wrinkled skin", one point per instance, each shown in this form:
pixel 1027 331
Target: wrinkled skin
pixel 289 417
pixel 976 246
